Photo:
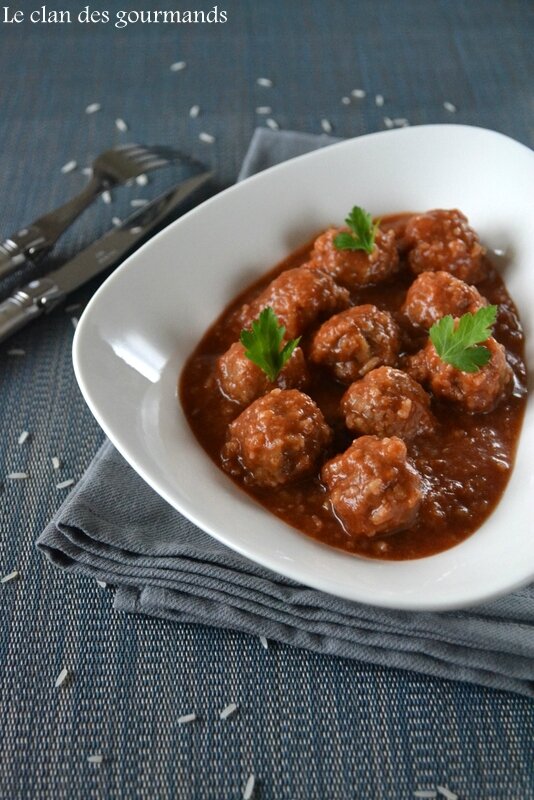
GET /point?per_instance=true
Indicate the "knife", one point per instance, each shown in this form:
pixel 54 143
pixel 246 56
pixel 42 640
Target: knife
pixel 42 295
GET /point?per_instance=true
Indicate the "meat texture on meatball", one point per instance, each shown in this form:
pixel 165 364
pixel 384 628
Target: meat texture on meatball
pixel 433 295
pixel 373 488
pixel 442 240
pixel 387 402
pixel 479 391
pixel 242 381
pixel 355 268
pixel 355 341
pixel 278 439
pixel 298 297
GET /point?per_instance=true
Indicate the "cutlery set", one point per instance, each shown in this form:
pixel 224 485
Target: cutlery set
pixel 30 246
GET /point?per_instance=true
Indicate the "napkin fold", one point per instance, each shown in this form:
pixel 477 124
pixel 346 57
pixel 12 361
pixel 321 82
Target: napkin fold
pixel 115 528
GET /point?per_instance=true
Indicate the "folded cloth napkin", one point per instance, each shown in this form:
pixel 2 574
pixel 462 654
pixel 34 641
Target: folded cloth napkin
pixel 115 528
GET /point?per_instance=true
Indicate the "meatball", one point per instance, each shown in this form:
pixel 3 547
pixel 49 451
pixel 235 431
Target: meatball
pixel 278 439
pixel 441 240
pixel 354 268
pixel 242 381
pixel 356 341
pixel 387 402
pixel 433 295
pixel 474 391
pixel 373 488
pixel 298 297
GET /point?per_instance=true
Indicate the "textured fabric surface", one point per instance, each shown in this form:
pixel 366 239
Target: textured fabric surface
pixel 115 528
pixel 309 726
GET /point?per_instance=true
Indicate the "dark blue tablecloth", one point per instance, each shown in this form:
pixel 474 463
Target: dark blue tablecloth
pixel 308 726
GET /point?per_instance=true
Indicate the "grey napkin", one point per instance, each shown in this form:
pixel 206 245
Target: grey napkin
pixel 116 529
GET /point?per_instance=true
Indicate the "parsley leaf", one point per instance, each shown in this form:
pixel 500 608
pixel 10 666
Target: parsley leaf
pixel 457 344
pixel 263 344
pixel 363 232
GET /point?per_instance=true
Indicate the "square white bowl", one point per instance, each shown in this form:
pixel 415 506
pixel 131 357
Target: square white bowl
pixel 143 323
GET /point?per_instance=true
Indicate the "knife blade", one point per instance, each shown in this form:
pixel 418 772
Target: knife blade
pixel 42 295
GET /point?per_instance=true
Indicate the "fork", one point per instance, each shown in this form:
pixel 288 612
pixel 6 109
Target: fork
pixel 110 169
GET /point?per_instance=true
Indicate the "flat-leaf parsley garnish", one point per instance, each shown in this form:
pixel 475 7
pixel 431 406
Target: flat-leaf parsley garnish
pixel 362 232
pixel 458 345
pixel 263 344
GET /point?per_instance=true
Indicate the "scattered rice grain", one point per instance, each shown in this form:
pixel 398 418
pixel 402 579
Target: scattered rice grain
pixel 121 125
pixel 102 584
pixel 206 137
pixel 445 792
pixel 230 709
pixel 74 321
pixel 359 93
pixel 194 111
pixel 138 202
pixel 70 166
pixel 16 351
pixel 425 793
pixel 136 229
pixel 13 576
pixel 141 180
pixel 272 124
pixel 267 82
pixel 87 171
pixel 55 462
pixel 65 484
pixel 92 108
pixel 449 106
pixel 186 718
pixel 264 642
pixel 249 788
pixel 402 122
pixel 379 100
pixel 17 476
pixel 95 759
pixel 264 110
pixel 23 437
pixel 106 197
pixel 326 125
pixel 388 122
pixel 345 101
pixel 62 677
pixel 178 66
pixel 117 221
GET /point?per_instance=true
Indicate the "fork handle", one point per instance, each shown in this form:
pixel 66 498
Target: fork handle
pixel 30 244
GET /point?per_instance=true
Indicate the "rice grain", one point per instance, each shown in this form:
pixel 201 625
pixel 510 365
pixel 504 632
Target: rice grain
pixel 266 82
pixel 106 197
pixel 194 111
pixel 92 108
pixel 264 642
pixel 249 788
pixel 358 93
pixel 186 718
pixel 17 476
pixel 70 166
pixel 121 125
pixel 55 462
pixel 379 100
pixel 272 124
pixel 445 792
pixel 62 677
pixel 345 101
pixel 95 759
pixel 449 107
pixel 206 137
pixel 230 709
pixel 141 180
pixel 13 576
pixel 65 484
pixel 178 66
pixel 326 125
pixel 23 437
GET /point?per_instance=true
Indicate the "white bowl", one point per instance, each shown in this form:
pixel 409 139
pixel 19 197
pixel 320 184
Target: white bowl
pixel 144 321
